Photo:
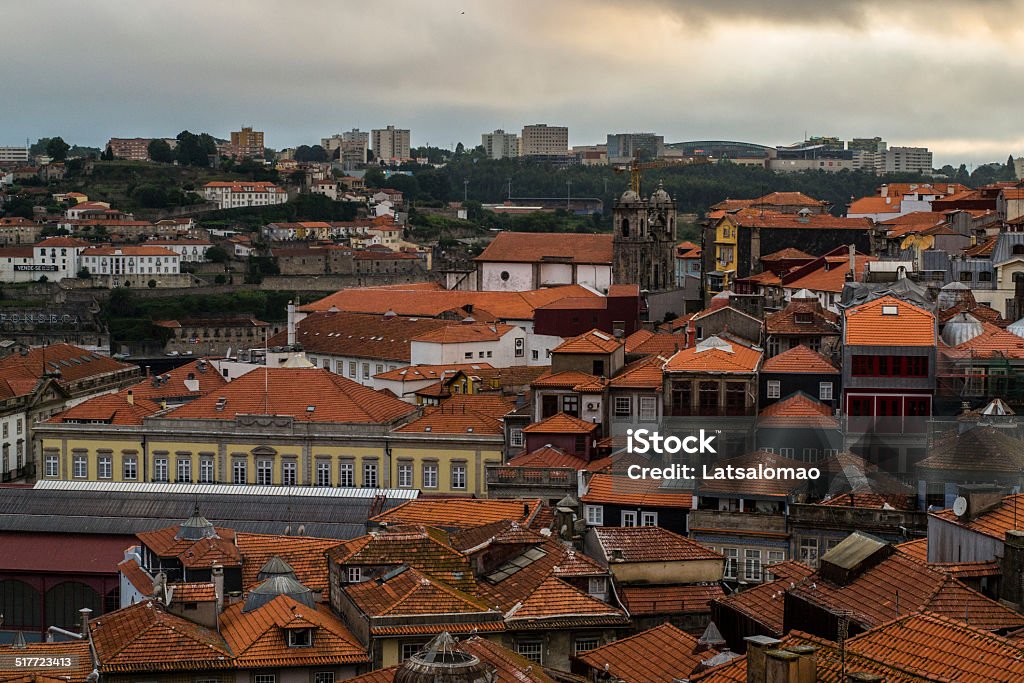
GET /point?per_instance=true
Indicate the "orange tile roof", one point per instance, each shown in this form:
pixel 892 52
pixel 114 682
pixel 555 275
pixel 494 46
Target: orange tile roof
pixel 615 489
pixel 650 544
pixel 982 449
pixel 657 599
pixel 465 333
pixel 786 221
pixel 874 205
pixel 129 250
pixel 193 592
pixel 72 362
pixel 983 248
pixel 567 379
pixel 503 532
pixel 137 576
pixel 360 335
pixel 592 342
pixel 916 549
pixel 413 300
pixel 112 409
pixel 535 247
pixel 788 199
pixel 426 549
pixel 826 274
pixel 797 411
pixel 256 637
pixel 174 386
pixel 548 456
pixel 460 513
pixel 193 554
pixel 715 355
pixel 646 373
pixel 662 654
pixel 419 373
pixel 461 417
pixel 561 424
pixel 869 499
pixel 993 342
pixel 291 392
pixel 873 595
pixel 554 600
pixel 305 554
pixel 943 648
pixel 789 253
pixel 869 325
pixel 765 604
pixel 144 637
pixel 995 522
pixel 800 359
pixel 78 650
pixel 817 320
pixel 646 342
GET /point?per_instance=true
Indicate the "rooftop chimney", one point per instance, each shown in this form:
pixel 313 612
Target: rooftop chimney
pixel 218 585
pixel 757 647
pixel 86 613
pixel 291 323
pixel 853 262
pixel 131 397
pixel 1012 567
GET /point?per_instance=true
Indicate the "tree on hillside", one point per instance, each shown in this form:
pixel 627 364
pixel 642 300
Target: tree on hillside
pixel 57 149
pixel 375 177
pixel 305 153
pixel 217 254
pixel 160 151
pixel 195 150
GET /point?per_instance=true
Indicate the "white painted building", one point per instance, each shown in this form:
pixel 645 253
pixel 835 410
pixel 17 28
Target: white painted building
pixel 231 195
pixel 13 155
pixel 188 250
pixel 16 265
pixel 499 344
pixel 519 262
pixel 131 260
pixel 13 446
pixel 58 257
pixel 500 145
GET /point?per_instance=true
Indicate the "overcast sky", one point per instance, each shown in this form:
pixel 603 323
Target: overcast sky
pixel 947 75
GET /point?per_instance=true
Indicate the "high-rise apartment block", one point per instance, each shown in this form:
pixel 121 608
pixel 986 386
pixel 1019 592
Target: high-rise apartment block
pixel 391 144
pixel 247 143
pixel 908 160
pixel 500 145
pixel 13 155
pixel 354 145
pixel 541 139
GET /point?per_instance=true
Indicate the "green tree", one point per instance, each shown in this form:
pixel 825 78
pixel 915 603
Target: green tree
pixel 374 177
pixel 151 196
pixel 1011 169
pixel 57 149
pixel 305 153
pixel 217 254
pixel 195 150
pixel 83 272
pixel 152 284
pixel 160 151
pixel 106 154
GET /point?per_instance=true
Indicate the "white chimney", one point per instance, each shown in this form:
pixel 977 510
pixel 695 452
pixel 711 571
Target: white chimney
pixel 291 323
pixel 853 261
pixel 218 585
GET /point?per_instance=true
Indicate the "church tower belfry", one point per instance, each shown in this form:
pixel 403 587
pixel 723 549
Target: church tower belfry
pixel 644 242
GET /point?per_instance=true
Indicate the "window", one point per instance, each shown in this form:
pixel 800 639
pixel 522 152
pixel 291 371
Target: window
pixel 774 388
pixel 352 369
pixel 264 472
pixel 594 514
pixel 347 474
pixel 239 472
pixel 585 645
pixel 289 473
pixel 409 649
pixel 810 455
pixel 965 276
pixel 160 470
pixel 370 475
pixel 648 519
pixel 984 276
pixel 354 574
pixel 184 470
pixel 628 518
pixel 323 677
pixel 366 371
pixel 206 470
pixel 129 467
pixel 786 452
pixel 515 437
pixel 809 551
pixel 535 354
pixel 774 557
pixel 300 637
pixel 571 405
pixel 532 650
pixel 52 465
pixel 458 476
pixel 732 556
pixel 825 391
pixel 105 467
pixel 429 476
pixel 405 475
pixel 323 473
pixel 752 564
pixel 648 408
pixel 598 586
pixel 264 678
pixel 623 406
pixel 469 355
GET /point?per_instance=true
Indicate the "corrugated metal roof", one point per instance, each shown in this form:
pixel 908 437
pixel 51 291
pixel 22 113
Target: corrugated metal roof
pixel 226 489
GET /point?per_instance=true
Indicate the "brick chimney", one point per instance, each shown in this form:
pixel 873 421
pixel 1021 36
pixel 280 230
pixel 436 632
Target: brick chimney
pixel 757 646
pixel 767 663
pixel 1011 566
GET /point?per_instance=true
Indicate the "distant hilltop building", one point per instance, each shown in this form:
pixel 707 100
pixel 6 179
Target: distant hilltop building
pixel 247 143
pixel 354 146
pixel 134 149
pixel 500 145
pixel 542 140
pixel 391 144
pixel 13 155
pixel 622 147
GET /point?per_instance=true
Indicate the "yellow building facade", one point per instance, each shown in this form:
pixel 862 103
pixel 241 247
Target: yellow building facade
pixel 725 250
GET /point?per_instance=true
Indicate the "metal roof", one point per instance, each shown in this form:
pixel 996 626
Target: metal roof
pixel 226 489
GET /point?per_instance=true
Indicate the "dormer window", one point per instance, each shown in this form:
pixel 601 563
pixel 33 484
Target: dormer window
pixel 890 310
pixel 803 318
pixel 300 637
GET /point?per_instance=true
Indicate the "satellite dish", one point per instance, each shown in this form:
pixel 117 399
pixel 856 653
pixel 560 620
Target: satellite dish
pixel 960 506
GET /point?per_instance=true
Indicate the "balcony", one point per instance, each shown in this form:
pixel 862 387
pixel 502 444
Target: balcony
pixel 873 520
pixel 542 482
pixel 737 522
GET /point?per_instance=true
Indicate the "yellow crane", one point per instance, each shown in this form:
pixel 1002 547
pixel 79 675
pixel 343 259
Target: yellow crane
pixel 637 167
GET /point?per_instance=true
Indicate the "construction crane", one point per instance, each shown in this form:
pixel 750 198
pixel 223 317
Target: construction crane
pixel 637 167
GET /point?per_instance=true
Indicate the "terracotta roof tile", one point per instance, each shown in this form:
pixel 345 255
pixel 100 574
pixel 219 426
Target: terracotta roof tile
pixel 503 532
pixel 916 549
pixel 646 373
pixel 756 486
pixel 72 362
pixel 465 333
pixel 463 414
pixel 993 342
pixel 554 600
pixel 826 274
pixel 461 513
pixel 193 554
pixel 797 411
pixel 199 373
pixel 615 489
pixel 291 392
pixel 419 373
pixel 548 456
pixel 800 359
pixel 256 637
pixel 305 555
pixel 662 654
pixel 567 379
pixel 193 592
pixel 657 599
pixel 981 449
pixel 533 247
pixel 870 324
pixel 994 523
pixel 561 424
pixel 717 355
pixel 813 319
pixel 647 343
pixel 78 650
pixel 360 335
pixel 592 342
pixel 765 603
pixel 650 544
pixel 137 576
pixel 111 409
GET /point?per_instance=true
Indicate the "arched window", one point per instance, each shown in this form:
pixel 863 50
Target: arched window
pixel 65 599
pixel 625 227
pixel 20 604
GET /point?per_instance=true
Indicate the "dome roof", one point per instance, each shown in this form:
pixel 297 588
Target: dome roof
pixel 195 528
pixel 275 586
pixel 275 566
pixel 441 660
pixel 961 328
pixel 953 294
pixel 1017 328
pixel 660 196
pixel 629 197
